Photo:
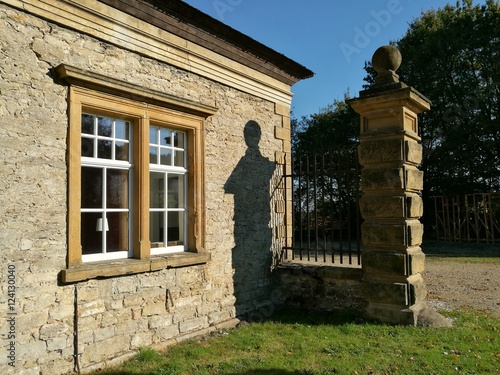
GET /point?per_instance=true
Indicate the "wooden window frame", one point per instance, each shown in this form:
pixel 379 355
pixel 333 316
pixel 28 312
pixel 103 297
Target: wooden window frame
pixel 94 93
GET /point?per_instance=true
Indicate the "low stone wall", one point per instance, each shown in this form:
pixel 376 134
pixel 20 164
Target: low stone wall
pixel 323 288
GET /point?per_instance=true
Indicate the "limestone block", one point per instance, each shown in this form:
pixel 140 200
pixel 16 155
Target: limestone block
pixel 414 179
pixel 417 261
pixel 394 263
pixel 104 333
pixel 53 330
pixel 406 233
pixel 286 122
pixel 391 314
pixel 382 207
pixel 141 340
pixel 282 133
pixel 193 325
pixel 383 262
pixel 34 349
pixel 388 292
pixel 413 152
pixel 414 206
pixel 219 316
pixel 159 321
pixel 383 234
pixel 156 308
pixel 132 300
pixel 282 109
pixel 57 343
pixel 184 313
pixel 64 307
pixel 34 319
pixel 418 290
pixel 108 348
pixel 382 178
pixel 415 232
pixel 385 120
pixel 166 333
pixel 381 151
pixel 92 308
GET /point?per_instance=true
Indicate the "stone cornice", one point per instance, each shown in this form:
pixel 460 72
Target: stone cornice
pixel 91 80
pixel 404 97
pixel 126 31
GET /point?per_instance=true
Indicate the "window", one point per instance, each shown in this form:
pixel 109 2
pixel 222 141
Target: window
pixel 106 180
pixel 167 181
pixel 135 180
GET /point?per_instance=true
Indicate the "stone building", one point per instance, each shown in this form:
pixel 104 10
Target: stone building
pixel 141 197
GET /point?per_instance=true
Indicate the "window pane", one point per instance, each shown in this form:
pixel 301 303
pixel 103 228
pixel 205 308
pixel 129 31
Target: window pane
pixel 175 232
pixel 165 137
pixel 104 149
pixel 117 189
pixel 165 156
pixel 121 151
pixel 153 135
pixel 179 139
pixel 90 238
pixel 153 155
pixel 87 124
pixel 91 187
pixel 179 158
pixel 156 227
pixel 157 190
pixel 104 126
pixel 117 235
pixel 175 191
pixel 88 147
pixel 121 129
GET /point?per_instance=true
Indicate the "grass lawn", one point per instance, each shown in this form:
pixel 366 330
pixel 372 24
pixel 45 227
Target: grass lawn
pixel 297 343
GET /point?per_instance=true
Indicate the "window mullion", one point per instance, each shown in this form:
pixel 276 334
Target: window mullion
pixel 141 190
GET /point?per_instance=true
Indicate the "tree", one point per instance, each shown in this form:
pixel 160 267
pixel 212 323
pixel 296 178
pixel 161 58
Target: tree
pixel 325 168
pixel 452 56
pixel 334 129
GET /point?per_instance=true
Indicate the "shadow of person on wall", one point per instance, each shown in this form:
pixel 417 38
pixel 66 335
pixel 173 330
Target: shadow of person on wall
pixel 251 257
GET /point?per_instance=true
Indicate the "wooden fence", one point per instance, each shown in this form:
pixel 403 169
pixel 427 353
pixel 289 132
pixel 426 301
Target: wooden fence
pixel 468 218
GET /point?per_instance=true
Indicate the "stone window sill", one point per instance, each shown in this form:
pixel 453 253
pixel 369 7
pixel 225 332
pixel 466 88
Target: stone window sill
pixel 124 267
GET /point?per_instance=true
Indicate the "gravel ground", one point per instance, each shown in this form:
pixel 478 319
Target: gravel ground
pixel 463 276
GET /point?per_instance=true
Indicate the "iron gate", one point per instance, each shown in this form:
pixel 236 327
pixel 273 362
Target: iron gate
pixel 326 221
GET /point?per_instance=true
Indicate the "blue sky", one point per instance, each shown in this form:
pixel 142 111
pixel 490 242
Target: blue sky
pixel 333 38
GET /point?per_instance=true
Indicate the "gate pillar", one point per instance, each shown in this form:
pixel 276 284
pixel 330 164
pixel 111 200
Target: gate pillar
pixel 390 152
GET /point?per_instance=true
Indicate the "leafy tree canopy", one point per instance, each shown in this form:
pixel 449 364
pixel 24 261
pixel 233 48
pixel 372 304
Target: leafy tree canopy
pixel 452 56
pixel 334 129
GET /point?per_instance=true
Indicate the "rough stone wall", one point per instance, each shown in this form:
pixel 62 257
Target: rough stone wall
pixel 322 288
pixel 118 315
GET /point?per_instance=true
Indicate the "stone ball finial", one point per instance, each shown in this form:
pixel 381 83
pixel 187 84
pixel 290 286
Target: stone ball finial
pixel 386 58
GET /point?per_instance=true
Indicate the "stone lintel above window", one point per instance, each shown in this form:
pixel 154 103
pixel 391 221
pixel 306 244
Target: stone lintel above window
pixel 95 81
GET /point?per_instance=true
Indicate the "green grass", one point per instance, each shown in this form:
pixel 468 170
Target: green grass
pixel 335 343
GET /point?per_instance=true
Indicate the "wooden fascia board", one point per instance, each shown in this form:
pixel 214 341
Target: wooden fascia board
pixel 220 39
